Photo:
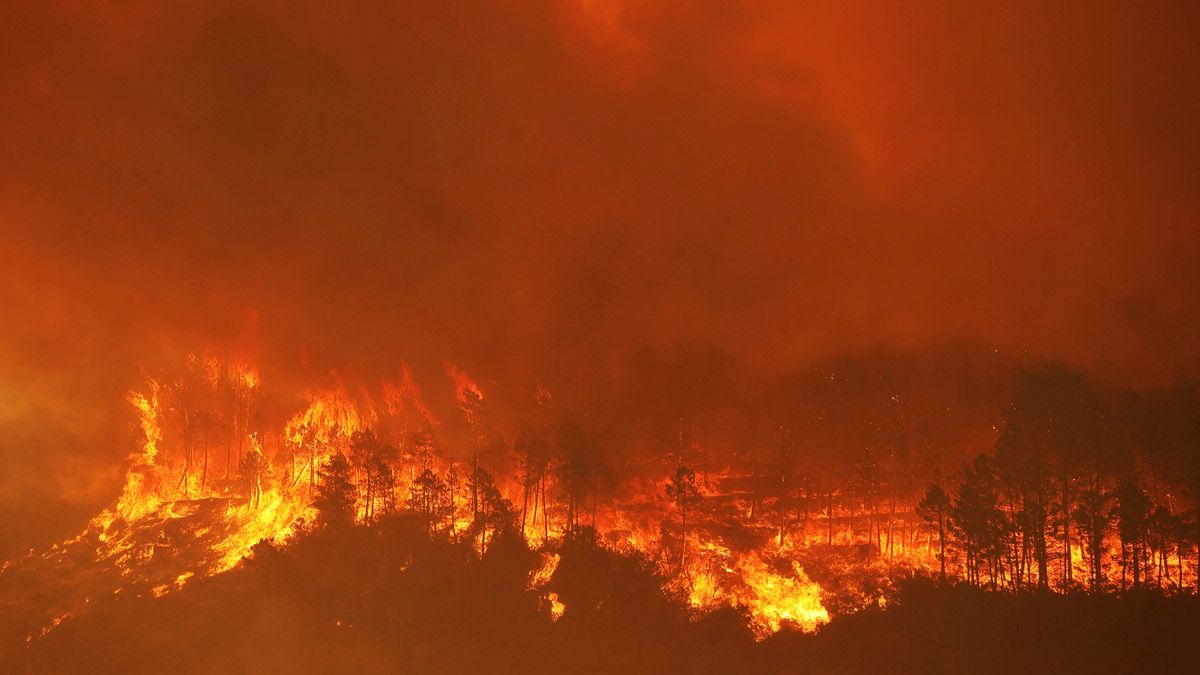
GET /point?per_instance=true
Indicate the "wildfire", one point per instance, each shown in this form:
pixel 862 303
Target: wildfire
pixel 330 417
pixel 775 599
pixel 248 377
pixel 139 495
pixel 276 518
pixel 56 622
pixel 719 576
pixel 405 399
pixel 542 574
pixel 147 407
pixel 539 578
pixel 180 515
pixel 467 391
pixel 555 606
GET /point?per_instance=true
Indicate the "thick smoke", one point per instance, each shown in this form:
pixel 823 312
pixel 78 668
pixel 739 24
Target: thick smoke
pixel 574 194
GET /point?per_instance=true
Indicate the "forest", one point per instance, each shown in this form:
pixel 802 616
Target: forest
pixel 832 503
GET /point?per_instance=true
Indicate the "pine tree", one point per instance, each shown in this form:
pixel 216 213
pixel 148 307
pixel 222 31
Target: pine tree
pixel 430 497
pixel 681 489
pixel 934 508
pixel 335 494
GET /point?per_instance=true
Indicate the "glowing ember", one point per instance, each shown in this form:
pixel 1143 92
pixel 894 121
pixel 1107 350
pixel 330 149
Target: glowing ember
pixel 555 606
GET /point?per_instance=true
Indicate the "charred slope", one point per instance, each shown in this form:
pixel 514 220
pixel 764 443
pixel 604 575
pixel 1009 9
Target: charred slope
pixel 113 558
pixel 386 599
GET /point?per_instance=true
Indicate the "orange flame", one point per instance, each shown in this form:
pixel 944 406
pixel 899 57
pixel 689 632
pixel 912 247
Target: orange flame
pixel 464 387
pixel 406 397
pixel 138 497
pixel 330 417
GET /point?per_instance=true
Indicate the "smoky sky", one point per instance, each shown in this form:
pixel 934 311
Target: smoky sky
pixel 538 190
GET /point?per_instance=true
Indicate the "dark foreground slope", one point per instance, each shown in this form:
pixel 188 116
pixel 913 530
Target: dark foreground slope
pixel 386 600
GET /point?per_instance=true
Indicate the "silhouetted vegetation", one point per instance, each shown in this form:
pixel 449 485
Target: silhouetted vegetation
pixel 1074 465
pixel 391 599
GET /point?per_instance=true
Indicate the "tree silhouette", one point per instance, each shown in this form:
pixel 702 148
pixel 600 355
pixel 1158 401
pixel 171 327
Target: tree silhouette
pixel 867 479
pixel 1133 510
pixel 533 457
pixel 578 469
pixel 254 469
pixel 429 497
pixel 1093 518
pixel 381 488
pixel 335 493
pixel 494 514
pixel 933 508
pixel 979 519
pixel 474 410
pixel 681 489
pixel 372 462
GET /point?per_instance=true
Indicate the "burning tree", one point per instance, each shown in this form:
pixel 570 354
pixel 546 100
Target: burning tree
pixel 681 489
pixel 470 399
pixel 533 455
pixel 335 492
pixel 578 468
pixel 429 496
pixel 254 471
pixel 373 464
pixel 494 514
pixel 980 520
pixel 1133 513
pixel 934 509
pixel 1003 506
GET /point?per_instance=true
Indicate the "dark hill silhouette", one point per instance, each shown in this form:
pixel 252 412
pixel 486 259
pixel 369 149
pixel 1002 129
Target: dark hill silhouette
pixel 386 599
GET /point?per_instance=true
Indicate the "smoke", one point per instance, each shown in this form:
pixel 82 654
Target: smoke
pixel 542 192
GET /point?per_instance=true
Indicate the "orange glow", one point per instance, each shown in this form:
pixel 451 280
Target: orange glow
pixel 761 312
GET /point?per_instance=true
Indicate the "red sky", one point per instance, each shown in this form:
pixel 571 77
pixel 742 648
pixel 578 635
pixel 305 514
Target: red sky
pixel 533 188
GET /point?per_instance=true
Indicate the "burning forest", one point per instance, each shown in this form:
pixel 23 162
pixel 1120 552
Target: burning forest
pixel 642 335
pixel 1085 491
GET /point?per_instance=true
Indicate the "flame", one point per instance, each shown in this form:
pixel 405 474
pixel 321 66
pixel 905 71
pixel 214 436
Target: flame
pixel 148 496
pixel 555 606
pixel 406 397
pixel 540 577
pixel 55 623
pixel 245 375
pixel 165 518
pixel 775 599
pixel 542 574
pixel 720 576
pixel 329 418
pixel 276 518
pixel 138 497
pixel 208 366
pixel 464 387
pixel 147 408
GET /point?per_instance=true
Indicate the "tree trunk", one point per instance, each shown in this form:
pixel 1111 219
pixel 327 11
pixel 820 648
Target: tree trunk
pixel 891 520
pixel 683 537
pixel 228 432
pixel 475 482
pixel 545 512
pixel 1068 560
pixel 829 511
pixel 204 472
pixel 1137 563
pixel 942 542
pixel 1040 551
pixel 525 498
